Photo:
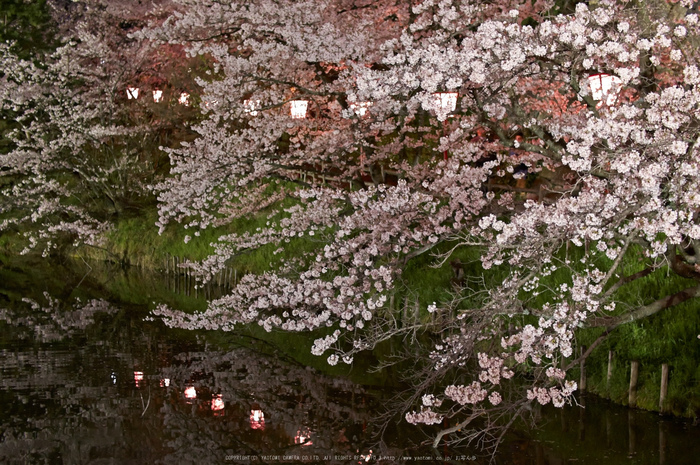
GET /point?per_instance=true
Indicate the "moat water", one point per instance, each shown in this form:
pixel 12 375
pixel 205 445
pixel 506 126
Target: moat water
pixel 85 378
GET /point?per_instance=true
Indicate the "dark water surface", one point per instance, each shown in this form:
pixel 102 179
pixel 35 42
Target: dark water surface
pixel 84 380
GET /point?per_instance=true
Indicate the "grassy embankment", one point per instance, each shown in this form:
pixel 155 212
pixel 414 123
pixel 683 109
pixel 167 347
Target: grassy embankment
pixel 668 337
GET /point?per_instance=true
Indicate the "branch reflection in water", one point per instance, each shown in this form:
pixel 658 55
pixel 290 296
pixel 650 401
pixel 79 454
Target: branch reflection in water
pixel 93 379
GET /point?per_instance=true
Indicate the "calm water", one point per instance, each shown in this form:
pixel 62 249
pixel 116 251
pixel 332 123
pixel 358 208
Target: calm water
pixel 84 380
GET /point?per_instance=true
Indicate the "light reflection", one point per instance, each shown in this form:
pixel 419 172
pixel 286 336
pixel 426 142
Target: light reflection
pixel 190 392
pixel 257 418
pixel 303 437
pixel 217 403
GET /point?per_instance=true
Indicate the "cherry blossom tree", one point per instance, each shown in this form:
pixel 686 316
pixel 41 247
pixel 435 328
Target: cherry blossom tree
pixel 80 152
pixel 323 115
pixel 619 179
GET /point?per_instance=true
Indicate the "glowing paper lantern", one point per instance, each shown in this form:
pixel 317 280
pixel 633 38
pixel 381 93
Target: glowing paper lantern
pixel 157 96
pixel 184 99
pixel 360 108
pixel 446 101
pixel 190 392
pixel 165 382
pixel 132 93
pixel 298 109
pixel 217 403
pixel 251 106
pixel 257 419
pixel 138 377
pixel 604 88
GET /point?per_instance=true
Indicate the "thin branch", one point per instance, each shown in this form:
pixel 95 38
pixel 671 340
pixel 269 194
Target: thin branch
pixel 611 323
pixel 618 260
pixel 590 349
pixel 147 403
pixel 455 428
pixel 628 279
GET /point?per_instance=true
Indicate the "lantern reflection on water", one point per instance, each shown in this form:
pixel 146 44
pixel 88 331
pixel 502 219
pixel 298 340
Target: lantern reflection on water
pixel 298 109
pixel 132 93
pixel 190 392
pixel 217 403
pixel 257 418
pixel 303 437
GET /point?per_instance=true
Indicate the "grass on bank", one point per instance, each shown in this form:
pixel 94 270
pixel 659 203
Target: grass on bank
pixel 668 337
pixel 134 241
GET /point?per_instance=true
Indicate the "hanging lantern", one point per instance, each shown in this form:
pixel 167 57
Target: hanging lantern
pixel 190 393
pixel 446 102
pixel 165 382
pixel 604 88
pixel 132 93
pixel 251 107
pixel 184 99
pixel 298 109
pixel 157 96
pixel 217 403
pixel 360 108
pixel 138 377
